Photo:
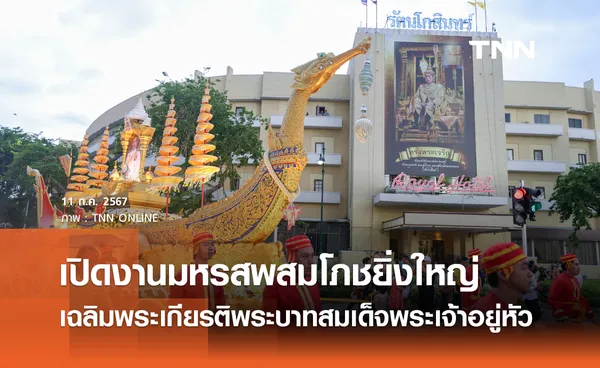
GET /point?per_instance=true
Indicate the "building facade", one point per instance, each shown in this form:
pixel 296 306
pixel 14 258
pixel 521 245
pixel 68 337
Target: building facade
pixel 435 110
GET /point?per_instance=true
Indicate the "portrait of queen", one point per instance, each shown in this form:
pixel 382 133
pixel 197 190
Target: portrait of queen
pixel 131 166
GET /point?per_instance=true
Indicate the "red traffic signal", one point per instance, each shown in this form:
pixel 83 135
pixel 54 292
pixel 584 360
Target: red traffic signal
pixel 519 193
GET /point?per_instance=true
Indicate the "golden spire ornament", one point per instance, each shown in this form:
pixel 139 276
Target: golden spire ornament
pixel 200 170
pixel 164 180
pixel 100 167
pixel 149 175
pixel 115 175
pixel 75 190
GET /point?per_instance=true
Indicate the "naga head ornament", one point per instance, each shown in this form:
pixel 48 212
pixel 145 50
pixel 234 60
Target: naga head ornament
pixel 313 75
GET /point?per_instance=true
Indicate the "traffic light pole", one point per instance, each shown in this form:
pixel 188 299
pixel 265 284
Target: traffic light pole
pixel 524 229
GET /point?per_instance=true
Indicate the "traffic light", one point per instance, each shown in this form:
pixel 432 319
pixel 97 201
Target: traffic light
pixel 520 206
pixel 534 206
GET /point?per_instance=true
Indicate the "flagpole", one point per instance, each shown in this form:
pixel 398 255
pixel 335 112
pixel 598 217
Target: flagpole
pixel 367 14
pixel 376 17
pixel 476 22
pixel 485 13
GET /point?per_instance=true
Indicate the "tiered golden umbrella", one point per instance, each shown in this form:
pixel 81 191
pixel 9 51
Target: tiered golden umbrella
pixel 200 170
pixel 76 189
pixel 100 168
pixel 164 180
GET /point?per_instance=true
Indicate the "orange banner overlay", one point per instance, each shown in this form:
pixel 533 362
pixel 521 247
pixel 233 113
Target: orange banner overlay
pixel 33 300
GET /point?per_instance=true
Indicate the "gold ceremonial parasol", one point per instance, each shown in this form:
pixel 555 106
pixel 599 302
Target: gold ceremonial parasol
pixel 165 181
pixel 200 170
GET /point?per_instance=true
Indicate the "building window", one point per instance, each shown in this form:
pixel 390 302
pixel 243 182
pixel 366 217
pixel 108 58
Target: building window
pixel 543 190
pixel 511 189
pixel 575 123
pixel 582 158
pixel 548 251
pixel 335 235
pixel 586 253
pixel 319 147
pixel 541 119
pixel 538 155
pixel 236 184
pixel 510 154
pixel 322 111
pixel 507 118
pixel 318 185
pixel 239 111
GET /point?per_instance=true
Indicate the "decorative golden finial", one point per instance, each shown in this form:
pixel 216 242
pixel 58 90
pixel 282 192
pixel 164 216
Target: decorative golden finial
pixel 75 190
pixel 149 175
pixel 165 181
pixel 114 175
pixel 200 171
pixel 100 167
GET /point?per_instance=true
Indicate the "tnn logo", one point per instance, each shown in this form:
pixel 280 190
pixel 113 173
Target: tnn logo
pixel 508 49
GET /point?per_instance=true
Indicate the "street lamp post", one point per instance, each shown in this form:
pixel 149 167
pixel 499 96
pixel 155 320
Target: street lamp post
pixel 321 162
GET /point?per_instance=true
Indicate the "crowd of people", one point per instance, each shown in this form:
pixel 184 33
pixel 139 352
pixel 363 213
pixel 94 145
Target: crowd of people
pixel 504 268
pixel 503 283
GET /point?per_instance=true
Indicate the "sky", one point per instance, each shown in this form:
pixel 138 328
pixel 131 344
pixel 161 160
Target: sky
pixel 65 62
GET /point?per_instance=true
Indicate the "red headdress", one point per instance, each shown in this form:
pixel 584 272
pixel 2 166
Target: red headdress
pixel 474 252
pixel 200 238
pixel 502 257
pixel 295 243
pixel 568 259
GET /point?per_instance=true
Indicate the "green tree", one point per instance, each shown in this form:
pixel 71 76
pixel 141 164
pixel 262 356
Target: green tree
pixel 576 197
pixel 18 150
pixel 237 141
pixel 115 150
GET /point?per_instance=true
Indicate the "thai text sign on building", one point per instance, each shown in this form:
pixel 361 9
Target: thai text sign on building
pixel 459 185
pixel 437 22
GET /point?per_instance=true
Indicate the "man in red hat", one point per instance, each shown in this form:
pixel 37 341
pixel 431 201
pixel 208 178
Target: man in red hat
pixel 565 297
pixel 468 299
pixel 295 297
pixel 507 273
pixel 204 249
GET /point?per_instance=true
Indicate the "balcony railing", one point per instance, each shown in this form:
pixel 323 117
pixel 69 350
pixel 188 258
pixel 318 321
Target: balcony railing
pixel 536 166
pixel 304 197
pixel 315 122
pixel 333 159
pixel 579 134
pixel 529 129
pixel 315 197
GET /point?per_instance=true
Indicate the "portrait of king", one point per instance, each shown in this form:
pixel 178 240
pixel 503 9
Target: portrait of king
pixel 429 93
